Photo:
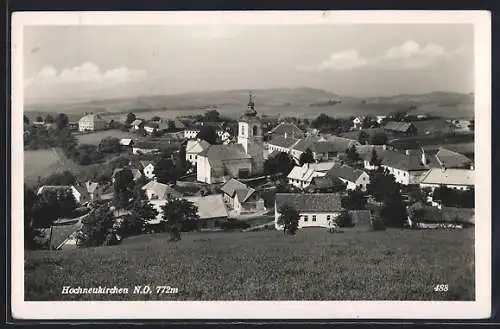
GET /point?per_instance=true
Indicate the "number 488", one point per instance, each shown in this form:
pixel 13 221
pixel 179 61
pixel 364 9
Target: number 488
pixel 441 287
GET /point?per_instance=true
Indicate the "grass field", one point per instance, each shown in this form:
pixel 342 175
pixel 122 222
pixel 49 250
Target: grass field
pixel 95 137
pixel 313 265
pixel 39 162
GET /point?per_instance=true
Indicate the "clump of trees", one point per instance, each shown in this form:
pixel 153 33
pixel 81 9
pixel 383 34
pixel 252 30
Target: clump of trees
pixel 354 200
pixel 179 215
pixel 289 219
pixel 208 134
pixel 98 228
pixel 363 137
pixel 306 157
pixel 110 145
pixel 384 188
pixel 325 123
pixel 353 157
pixel 282 163
pixel 379 138
pixel 454 198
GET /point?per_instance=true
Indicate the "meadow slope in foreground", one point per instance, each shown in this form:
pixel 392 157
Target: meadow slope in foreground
pixel 313 265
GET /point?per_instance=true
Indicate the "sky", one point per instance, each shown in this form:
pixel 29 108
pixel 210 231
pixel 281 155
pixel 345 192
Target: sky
pixel 92 62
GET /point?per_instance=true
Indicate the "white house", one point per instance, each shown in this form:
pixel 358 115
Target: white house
pixel 93 190
pixel 315 209
pixel 195 147
pixel 241 198
pixel 459 179
pixel 356 122
pixel 223 135
pixel 61 188
pixel 301 176
pixel 126 142
pixel 191 133
pixel 380 118
pixel 159 191
pixel 91 122
pixel 137 124
pixel 353 178
pixel 148 169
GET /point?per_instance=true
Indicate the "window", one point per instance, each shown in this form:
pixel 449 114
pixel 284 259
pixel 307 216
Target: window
pixel 305 218
pixel 314 218
pixel 255 131
pixel 328 217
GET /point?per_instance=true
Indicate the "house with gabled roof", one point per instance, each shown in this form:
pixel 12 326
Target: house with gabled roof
pixel 301 176
pixel 458 179
pixel 287 130
pixel 92 190
pixel 240 198
pixel 155 190
pixel 91 122
pixel 405 128
pixel 148 168
pixel 62 188
pixel 64 236
pixel 220 162
pixel 353 178
pixel 315 209
pixel 195 147
pixel 137 124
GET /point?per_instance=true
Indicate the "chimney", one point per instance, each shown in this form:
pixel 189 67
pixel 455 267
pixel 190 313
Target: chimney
pixel 407 152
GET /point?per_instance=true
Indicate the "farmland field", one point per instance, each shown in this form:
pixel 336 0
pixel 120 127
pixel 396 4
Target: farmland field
pixel 37 163
pixel 313 265
pixel 96 137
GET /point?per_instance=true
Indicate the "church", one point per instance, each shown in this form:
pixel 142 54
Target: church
pixel 219 163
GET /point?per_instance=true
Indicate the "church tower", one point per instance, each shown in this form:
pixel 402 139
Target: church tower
pixel 250 136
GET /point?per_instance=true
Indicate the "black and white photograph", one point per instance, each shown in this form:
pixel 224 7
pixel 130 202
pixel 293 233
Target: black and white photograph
pixel 270 162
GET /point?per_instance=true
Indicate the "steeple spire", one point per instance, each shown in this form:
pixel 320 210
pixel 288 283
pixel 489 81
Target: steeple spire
pixel 251 105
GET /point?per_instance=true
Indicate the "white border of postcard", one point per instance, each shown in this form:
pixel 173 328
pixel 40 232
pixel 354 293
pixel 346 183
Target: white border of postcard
pixel 480 308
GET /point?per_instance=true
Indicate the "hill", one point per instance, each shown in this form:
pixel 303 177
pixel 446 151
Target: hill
pixel 282 101
pixel 313 265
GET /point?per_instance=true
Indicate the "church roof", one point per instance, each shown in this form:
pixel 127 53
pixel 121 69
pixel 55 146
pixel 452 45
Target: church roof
pixel 216 154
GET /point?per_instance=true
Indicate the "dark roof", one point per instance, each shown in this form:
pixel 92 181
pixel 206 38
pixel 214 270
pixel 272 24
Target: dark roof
pixel 345 172
pixel 334 146
pixel 400 160
pixel 398 126
pixel 231 186
pixel 324 182
pixel 310 202
pixel 451 159
pixel 157 144
pixel 305 143
pixel 288 130
pixel 216 154
pixel 62 232
pixel 282 141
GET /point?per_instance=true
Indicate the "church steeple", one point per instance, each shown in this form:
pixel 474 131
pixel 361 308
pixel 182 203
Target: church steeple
pixel 251 106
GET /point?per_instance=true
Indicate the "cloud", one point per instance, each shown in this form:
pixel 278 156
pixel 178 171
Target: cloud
pixel 409 55
pixel 85 75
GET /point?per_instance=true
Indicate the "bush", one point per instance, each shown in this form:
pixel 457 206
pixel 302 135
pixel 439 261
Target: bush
pixel 344 219
pixel 234 224
pixel 377 225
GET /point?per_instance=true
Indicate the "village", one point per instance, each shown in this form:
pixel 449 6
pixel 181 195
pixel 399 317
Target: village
pixel 208 173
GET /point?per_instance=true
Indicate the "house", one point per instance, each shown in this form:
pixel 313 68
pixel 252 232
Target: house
pixel 155 190
pixel 325 184
pixel 380 118
pixel 301 176
pixel 459 179
pixel 61 189
pixel 91 122
pixel 137 124
pixel 451 159
pixel 135 173
pixel 148 169
pixel 73 126
pixel 127 142
pixel 195 147
pixel 407 167
pixel 241 198
pixel 243 159
pixel 353 178
pixel 223 135
pixel 148 147
pixel 287 130
pixel 403 128
pixel 281 144
pixel 92 190
pixel 327 148
pixel 191 133
pixel 315 209
pixel 356 122
pixel 211 210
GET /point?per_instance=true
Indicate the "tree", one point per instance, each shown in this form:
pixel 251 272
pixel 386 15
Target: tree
pixel 281 163
pixel 165 170
pixel 31 233
pixel 51 205
pixel 26 120
pixel 141 212
pixel 368 122
pixel 49 119
pixel 155 118
pixel 289 219
pixel 39 118
pixel 355 200
pixel 130 118
pixel 123 188
pixel 209 134
pixel 110 145
pixel 363 137
pixel 64 178
pixel 62 121
pixel 375 160
pixel 382 186
pixel 98 228
pixel 379 139
pixel 399 116
pixel 212 116
pixel 353 155
pixel 176 214
pixel 306 157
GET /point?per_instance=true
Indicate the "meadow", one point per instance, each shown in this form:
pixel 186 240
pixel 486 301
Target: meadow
pixel 312 265
pixel 39 162
pixel 96 137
